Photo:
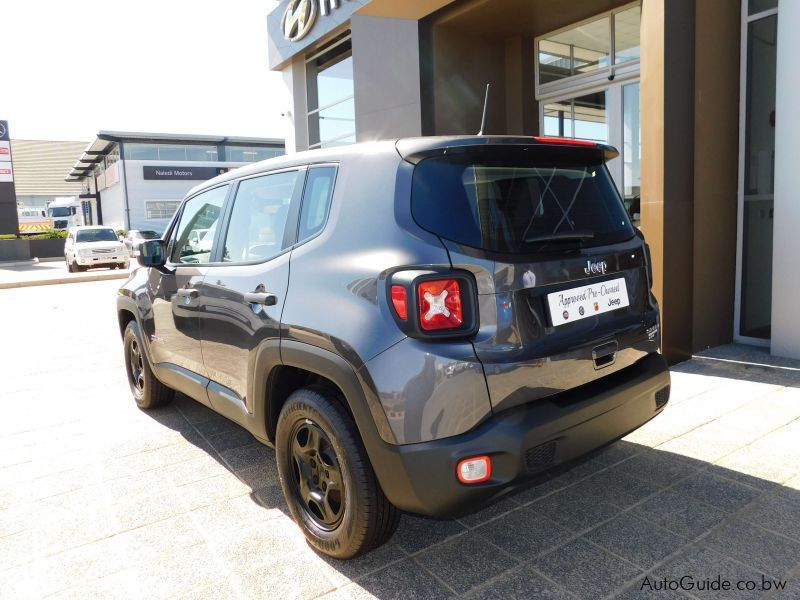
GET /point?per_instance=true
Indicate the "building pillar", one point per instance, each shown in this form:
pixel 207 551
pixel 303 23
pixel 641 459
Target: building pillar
pixel 386 82
pixel 786 241
pixel 667 99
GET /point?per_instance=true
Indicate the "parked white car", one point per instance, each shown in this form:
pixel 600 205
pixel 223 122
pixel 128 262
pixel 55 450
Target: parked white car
pixel 134 238
pixel 88 247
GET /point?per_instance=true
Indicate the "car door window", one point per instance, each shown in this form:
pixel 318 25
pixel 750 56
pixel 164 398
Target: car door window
pixel 258 225
pixel 193 238
pixel 316 201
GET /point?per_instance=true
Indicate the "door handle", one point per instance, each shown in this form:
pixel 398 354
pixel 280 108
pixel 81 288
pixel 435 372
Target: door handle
pixel 264 298
pixel 188 293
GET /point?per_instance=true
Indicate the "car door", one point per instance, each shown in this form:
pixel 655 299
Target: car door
pixel 175 288
pixel 243 294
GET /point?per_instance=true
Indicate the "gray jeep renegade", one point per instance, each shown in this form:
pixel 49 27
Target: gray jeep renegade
pixel 417 325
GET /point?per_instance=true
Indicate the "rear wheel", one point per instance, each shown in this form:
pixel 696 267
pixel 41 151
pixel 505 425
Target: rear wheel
pixel 148 391
pixel 327 479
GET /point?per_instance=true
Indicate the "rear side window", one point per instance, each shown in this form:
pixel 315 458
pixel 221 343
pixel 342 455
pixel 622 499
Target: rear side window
pixel 519 199
pixel 316 201
pixel 260 226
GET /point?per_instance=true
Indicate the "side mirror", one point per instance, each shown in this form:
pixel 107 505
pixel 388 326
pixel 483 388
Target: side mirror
pixel 152 253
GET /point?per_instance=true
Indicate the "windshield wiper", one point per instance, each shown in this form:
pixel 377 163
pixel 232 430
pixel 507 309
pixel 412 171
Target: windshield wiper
pixel 561 236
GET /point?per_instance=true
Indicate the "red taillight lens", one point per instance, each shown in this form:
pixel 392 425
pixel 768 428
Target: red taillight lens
pixel 400 301
pixel 440 304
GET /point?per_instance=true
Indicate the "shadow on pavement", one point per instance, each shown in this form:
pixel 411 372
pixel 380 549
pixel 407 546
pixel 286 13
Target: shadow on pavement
pixel 616 523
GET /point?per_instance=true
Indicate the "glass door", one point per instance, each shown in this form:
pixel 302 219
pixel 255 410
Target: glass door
pixel 756 179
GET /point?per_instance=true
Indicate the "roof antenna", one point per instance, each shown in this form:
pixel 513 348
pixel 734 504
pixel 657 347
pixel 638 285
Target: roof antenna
pixel 485 109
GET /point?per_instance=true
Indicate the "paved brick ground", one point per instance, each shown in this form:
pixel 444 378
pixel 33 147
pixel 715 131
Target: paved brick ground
pixel 100 500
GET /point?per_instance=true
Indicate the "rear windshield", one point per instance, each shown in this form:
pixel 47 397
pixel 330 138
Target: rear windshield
pixel 96 235
pixel 520 199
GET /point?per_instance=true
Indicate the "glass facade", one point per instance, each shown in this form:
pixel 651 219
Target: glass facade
pixel 331 104
pixel 596 46
pixel 631 150
pixel 581 117
pixel 250 153
pixel 161 209
pixel 180 152
pixel 758 178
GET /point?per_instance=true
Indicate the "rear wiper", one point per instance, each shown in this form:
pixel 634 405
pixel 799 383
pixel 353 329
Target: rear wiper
pixel 562 236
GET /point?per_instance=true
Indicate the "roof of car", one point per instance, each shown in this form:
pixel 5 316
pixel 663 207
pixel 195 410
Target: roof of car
pixel 409 149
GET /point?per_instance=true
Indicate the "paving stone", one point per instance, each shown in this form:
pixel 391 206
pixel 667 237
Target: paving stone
pixel 522 582
pixel 636 540
pixel 754 546
pixel 401 581
pixel 246 456
pixel 659 467
pixel 777 512
pixel 575 508
pixel 717 491
pixel 700 564
pixel 494 510
pixel 416 533
pixel 680 513
pixel 465 562
pixel 614 487
pixel 586 570
pixel 524 533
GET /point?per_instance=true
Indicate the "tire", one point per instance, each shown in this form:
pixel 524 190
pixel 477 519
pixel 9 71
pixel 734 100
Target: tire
pixel 148 392
pixel 70 266
pixel 76 268
pixel 313 423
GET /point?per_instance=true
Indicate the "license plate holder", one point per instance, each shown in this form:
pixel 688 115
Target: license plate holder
pixel 582 302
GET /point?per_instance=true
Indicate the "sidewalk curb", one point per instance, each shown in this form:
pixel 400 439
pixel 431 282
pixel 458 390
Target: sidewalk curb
pixel 77 279
pixel 26 263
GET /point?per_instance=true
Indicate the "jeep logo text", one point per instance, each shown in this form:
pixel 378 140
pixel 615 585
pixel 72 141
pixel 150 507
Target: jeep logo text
pixel 593 268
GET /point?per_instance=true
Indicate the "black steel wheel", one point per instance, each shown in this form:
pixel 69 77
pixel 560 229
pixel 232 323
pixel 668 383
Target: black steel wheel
pixel 326 476
pixel 147 390
pixel 316 477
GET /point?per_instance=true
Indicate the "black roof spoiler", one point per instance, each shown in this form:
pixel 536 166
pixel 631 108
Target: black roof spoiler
pixel 414 150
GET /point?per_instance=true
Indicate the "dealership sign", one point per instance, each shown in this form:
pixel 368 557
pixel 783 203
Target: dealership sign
pixel 300 16
pixel 6 173
pixel 183 173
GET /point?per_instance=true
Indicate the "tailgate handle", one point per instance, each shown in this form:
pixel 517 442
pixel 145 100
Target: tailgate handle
pixel 604 354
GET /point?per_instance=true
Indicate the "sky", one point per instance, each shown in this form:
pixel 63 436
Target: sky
pixel 70 69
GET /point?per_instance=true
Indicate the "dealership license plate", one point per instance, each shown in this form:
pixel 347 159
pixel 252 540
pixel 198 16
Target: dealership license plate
pixel 579 303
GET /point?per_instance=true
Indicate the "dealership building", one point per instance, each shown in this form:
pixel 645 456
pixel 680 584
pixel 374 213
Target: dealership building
pixel 137 180
pixel 687 90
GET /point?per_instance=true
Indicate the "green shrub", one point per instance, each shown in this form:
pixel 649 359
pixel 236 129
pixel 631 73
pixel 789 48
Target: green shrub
pixel 52 234
pixel 8 236
pixel 121 232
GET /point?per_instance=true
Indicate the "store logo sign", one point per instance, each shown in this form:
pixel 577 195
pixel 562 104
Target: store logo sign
pixel 2 130
pixel 300 16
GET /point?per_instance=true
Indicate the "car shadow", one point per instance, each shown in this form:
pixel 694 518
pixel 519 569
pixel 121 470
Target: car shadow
pixel 641 512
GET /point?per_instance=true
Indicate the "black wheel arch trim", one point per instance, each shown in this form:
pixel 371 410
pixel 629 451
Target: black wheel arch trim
pixel 383 456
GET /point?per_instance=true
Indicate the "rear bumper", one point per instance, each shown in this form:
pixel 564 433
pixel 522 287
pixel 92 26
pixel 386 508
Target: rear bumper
pixel 524 441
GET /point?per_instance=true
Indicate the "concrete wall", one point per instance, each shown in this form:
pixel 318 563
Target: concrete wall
pixel 785 272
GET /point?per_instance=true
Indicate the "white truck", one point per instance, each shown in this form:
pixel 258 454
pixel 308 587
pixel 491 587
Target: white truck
pixel 65 212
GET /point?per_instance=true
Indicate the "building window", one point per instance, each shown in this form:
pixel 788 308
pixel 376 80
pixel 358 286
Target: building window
pixel 331 106
pixel 160 209
pixel 250 153
pixel 179 152
pixel 578 97
pixel 594 49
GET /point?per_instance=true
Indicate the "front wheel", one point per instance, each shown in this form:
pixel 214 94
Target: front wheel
pixel 148 392
pixel 327 479
pixel 70 266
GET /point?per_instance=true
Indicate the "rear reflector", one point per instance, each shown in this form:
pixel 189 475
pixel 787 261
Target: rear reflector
pixel 545 139
pixel 440 304
pixel 400 301
pixel 474 470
